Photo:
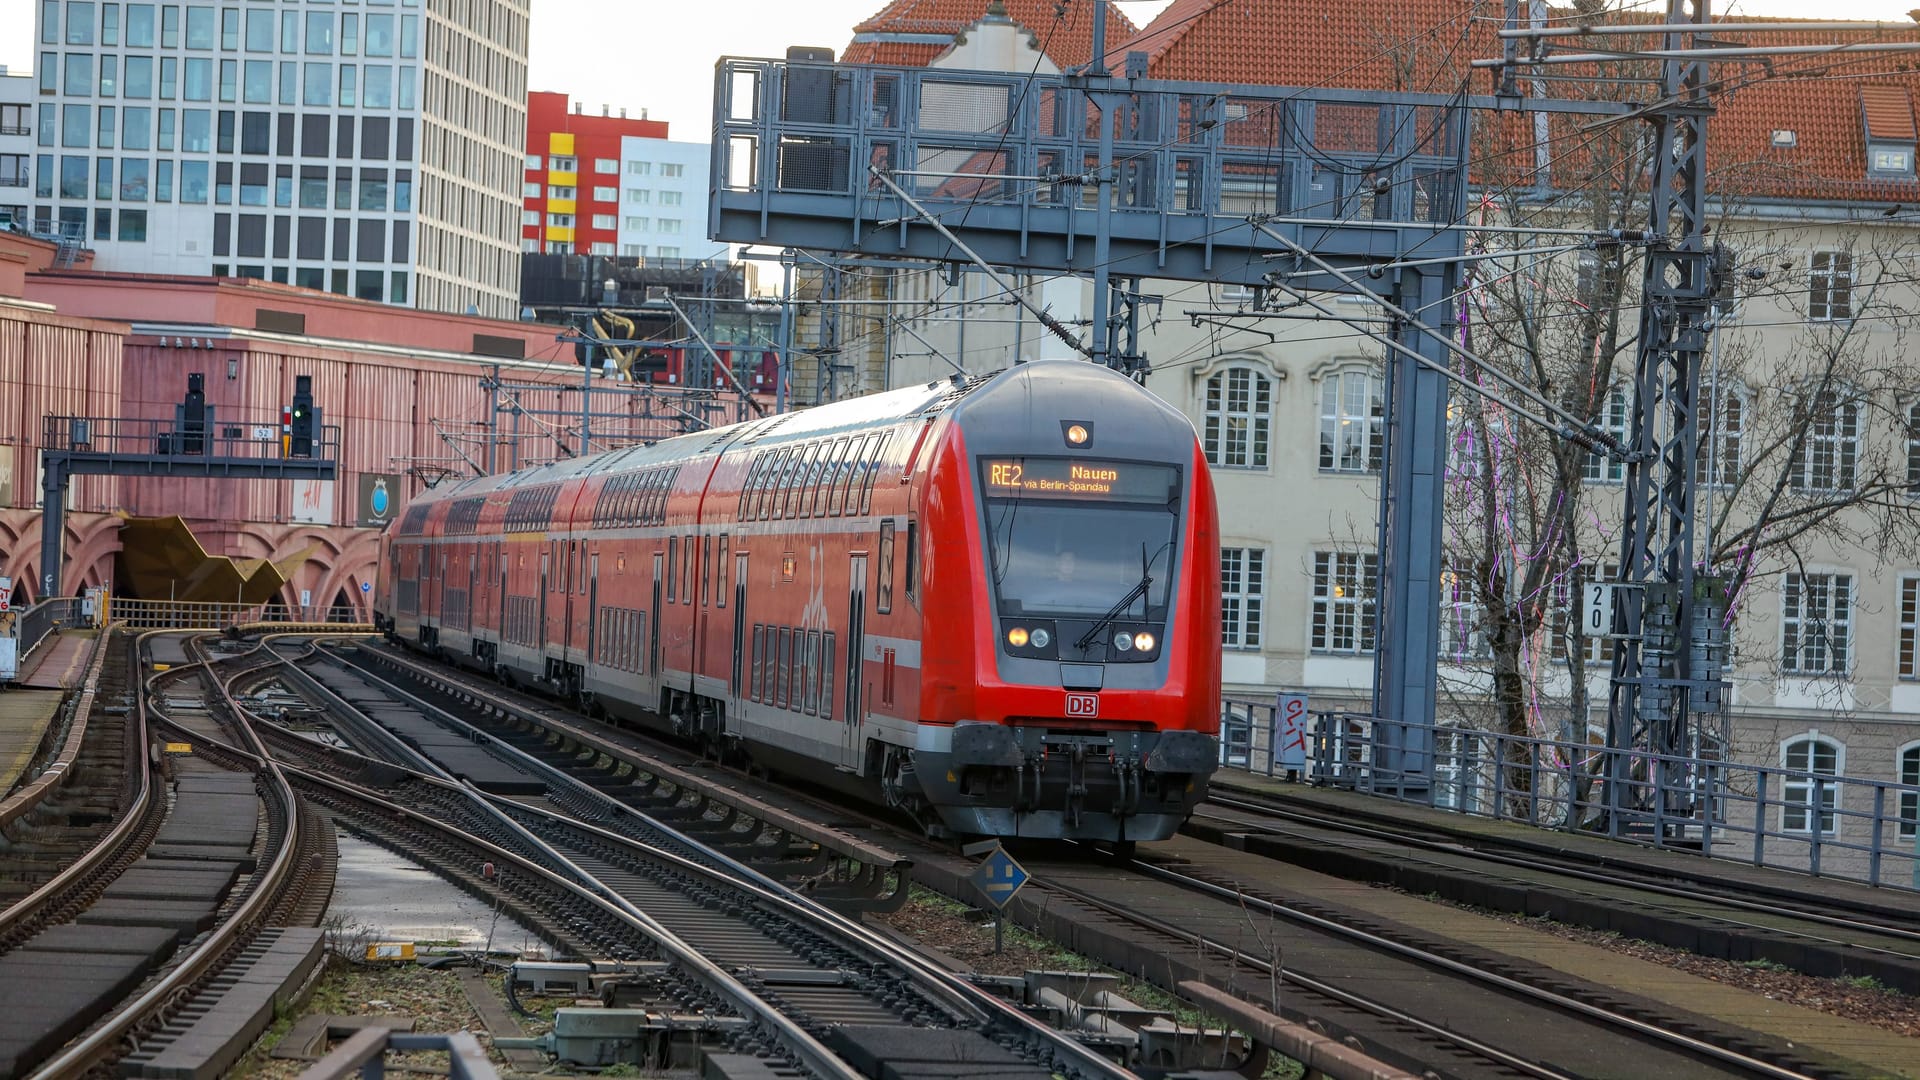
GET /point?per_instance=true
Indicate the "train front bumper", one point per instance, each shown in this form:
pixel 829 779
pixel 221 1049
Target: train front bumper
pixel 1003 780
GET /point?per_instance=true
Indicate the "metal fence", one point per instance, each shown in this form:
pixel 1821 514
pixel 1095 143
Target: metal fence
pixel 42 619
pixel 182 615
pixel 1823 824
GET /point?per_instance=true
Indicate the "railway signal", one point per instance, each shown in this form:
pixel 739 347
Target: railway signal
pixel 303 419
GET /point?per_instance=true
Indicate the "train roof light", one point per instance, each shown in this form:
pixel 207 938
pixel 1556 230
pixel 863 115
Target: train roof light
pixel 1079 434
pixel 1017 636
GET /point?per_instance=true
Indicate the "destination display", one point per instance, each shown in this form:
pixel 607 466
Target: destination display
pixel 1078 478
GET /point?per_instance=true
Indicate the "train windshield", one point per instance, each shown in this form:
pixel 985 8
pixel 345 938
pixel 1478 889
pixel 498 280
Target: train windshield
pixel 1073 537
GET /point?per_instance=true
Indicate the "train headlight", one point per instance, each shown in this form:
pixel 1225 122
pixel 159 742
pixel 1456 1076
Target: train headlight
pixel 1041 639
pixel 1123 641
pixel 1017 636
pixel 1077 434
pixel 1143 642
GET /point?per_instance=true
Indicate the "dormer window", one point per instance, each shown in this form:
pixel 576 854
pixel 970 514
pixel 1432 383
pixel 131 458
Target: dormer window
pixel 1886 161
pixel 1887 114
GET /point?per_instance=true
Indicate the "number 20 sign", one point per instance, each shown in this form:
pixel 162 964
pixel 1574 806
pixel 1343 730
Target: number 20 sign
pixel 1599 607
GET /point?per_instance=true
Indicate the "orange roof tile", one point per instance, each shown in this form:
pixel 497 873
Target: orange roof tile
pixel 1066 37
pixel 1889 112
pixel 1426 45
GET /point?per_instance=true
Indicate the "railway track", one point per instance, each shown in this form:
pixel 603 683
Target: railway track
pixel 799 980
pixel 203 873
pixel 1427 1005
pixel 1839 935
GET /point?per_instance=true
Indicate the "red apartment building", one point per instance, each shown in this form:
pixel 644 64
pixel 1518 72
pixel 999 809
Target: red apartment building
pixel 571 197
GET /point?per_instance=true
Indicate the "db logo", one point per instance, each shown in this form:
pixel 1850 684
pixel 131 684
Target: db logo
pixel 1083 705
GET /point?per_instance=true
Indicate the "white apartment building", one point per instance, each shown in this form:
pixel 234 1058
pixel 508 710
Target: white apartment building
pixel 663 200
pixel 370 149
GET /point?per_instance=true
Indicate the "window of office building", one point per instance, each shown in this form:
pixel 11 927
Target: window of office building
pixel 1343 605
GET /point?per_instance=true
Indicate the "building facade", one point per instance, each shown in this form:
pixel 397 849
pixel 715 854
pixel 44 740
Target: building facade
pixel 16 147
pixel 367 152
pixel 1810 458
pixel 611 186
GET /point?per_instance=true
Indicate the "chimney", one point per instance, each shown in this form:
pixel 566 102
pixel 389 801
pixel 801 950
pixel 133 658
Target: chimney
pixel 643 114
pixel 576 108
pixel 623 112
pixel 603 110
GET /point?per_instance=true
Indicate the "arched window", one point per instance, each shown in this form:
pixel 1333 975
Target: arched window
pixel 1809 758
pixel 1831 449
pixel 1612 420
pixel 1239 418
pixel 1353 409
pixel 1718 458
pixel 1909 765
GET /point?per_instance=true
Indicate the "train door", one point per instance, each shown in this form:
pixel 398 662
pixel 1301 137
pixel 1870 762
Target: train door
pixel 540 632
pixel 852 721
pixel 735 682
pixel 593 604
pixel 500 624
pixel 653 624
pixel 569 607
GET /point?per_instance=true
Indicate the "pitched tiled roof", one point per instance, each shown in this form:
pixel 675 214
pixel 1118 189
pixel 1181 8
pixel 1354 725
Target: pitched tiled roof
pixel 1827 101
pixel 1424 45
pixel 1888 111
pixel 929 27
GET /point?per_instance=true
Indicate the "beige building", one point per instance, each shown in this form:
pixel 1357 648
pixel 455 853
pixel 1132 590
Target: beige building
pixel 1812 461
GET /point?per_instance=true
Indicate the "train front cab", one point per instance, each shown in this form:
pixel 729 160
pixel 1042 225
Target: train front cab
pixel 1073 673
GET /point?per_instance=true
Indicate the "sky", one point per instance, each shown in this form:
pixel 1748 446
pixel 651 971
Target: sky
pixel 658 55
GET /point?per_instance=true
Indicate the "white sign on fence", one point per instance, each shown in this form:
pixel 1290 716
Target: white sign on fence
pixel 1290 731
pixel 1599 609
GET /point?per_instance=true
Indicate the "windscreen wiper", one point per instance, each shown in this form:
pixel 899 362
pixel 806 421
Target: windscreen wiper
pixel 1135 593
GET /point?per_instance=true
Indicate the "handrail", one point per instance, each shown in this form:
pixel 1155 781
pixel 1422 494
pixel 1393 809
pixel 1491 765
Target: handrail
pixel 41 619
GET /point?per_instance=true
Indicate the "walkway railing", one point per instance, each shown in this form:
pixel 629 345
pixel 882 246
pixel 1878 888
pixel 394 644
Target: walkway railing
pixel 43 619
pixel 182 615
pixel 1838 826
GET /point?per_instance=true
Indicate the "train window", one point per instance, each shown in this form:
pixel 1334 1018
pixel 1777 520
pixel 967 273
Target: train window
pixel 673 563
pixel 686 571
pixel 706 570
pixel 796 482
pixel 810 494
pixel 746 486
pixel 873 473
pixel 831 491
pixel 843 485
pixel 770 485
pixel 783 661
pixel 883 594
pixel 823 479
pixel 639 635
pixel 813 673
pixel 753 678
pixel 720 594
pixel 826 676
pixel 913 563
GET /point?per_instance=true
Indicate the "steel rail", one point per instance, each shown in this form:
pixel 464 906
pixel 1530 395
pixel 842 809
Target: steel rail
pixel 1596 877
pixel 121 831
pixel 930 979
pixel 1308 982
pixel 24 798
pixel 794 1039
pixel 1686 1043
pixel 101 1042
pixel 109 845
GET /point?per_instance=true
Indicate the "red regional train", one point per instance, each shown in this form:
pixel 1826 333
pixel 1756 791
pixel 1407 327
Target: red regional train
pixel 994 603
